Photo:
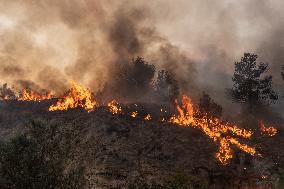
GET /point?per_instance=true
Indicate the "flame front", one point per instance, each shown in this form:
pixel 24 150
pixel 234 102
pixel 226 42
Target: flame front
pixel 270 131
pixel 29 95
pixel 78 96
pixel 215 130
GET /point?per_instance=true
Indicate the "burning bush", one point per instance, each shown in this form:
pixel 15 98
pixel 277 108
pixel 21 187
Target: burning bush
pixel 78 96
pixel 29 95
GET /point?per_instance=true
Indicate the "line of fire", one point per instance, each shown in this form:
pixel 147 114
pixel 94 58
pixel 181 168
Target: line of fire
pixel 224 134
pixel 228 137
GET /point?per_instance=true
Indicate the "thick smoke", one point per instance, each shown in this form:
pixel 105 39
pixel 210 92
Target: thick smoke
pixel 51 42
pixel 48 42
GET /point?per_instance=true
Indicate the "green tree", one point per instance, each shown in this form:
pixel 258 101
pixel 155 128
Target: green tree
pixel 130 80
pixel 138 74
pixel 250 84
pixel 33 161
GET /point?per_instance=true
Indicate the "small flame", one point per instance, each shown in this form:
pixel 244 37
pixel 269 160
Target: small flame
pixel 264 177
pixel 134 114
pixel 5 97
pixel 270 131
pixel 148 117
pixel 78 96
pixel 114 107
pixel 214 129
pixel 29 95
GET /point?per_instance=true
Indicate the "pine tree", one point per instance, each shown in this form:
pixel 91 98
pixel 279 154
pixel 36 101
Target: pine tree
pixel 250 85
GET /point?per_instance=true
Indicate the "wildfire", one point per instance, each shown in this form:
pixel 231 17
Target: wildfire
pixel 114 107
pixel 225 134
pixel 215 130
pixel 78 96
pixel 270 131
pixel 29 95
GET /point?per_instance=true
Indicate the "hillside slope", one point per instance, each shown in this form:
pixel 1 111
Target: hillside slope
pixel 116 151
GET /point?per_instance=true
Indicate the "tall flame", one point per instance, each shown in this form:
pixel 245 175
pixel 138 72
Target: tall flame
pixel 214 129
pixel 29 95
pixel 225 134
pixel 78 96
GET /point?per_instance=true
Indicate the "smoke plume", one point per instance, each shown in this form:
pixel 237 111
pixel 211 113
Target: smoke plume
pixel 48 42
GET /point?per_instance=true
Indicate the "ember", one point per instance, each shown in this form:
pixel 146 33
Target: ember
pixel 270 131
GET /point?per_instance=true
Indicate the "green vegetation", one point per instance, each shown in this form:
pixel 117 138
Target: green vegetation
pixel 250 85
pixel 30 161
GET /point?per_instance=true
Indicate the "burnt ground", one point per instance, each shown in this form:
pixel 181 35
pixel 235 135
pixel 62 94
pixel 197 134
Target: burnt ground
pixel 116 150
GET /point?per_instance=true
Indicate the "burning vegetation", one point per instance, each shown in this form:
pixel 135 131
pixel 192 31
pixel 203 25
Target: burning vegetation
pixel 114 107
pixel 29 95
pixel 230 139
pixel 224 134
pixel 216 130
pixel 77 96
pixel 207 118
pixel 183 120
pixel 267 130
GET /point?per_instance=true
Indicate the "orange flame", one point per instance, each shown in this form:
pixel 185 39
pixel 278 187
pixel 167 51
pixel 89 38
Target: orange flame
pixel 78 96
pixel 270 131
pixel 215 129
pixel 148 117
pixel 29 95
pixel 225 153
pixel 134 114
pixel 114 107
